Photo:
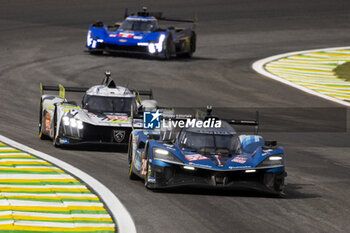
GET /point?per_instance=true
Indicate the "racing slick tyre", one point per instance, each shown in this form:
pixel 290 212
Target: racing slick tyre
pixel 132 175
pixel 192 48
pixel 167 48
pixel 41 123
pixel 54 126
pixel 148 171
pixel 275 182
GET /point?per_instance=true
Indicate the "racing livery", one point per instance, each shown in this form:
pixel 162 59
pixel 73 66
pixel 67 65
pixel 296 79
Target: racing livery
pixel 206 157
pixel 105 116
pixel 141 34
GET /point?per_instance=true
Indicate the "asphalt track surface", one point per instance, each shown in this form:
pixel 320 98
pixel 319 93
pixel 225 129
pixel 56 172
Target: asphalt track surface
pixel 44 41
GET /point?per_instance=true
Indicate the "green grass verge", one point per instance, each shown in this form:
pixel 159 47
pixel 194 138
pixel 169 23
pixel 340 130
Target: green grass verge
pixel 343 71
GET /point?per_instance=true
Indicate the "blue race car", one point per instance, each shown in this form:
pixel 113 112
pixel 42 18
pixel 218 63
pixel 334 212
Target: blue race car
pixel 206 157
pixel 141 34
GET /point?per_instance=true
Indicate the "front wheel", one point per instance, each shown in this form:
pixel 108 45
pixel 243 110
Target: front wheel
pixel 275 182
pixel 167 48
pixel 54 127
pixel 41 123
pixel 132 175
pixel 148 172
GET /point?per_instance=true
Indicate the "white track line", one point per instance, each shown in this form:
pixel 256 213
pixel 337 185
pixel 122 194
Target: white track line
pixel 259 66
pixel 124 222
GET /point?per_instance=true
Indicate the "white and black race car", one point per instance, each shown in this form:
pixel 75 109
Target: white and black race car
pixel 105 117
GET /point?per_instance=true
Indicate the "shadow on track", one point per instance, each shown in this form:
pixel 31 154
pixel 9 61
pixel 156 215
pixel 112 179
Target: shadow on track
pixel 292 191
pixel 99 148
pixel 146 57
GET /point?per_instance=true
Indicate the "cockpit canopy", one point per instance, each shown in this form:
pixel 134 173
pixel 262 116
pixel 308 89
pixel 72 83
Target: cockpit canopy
pixel 103 104
pixel 137 24
pixel 210 143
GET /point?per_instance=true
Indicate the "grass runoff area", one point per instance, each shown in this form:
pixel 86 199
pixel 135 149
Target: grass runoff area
pixel 343 71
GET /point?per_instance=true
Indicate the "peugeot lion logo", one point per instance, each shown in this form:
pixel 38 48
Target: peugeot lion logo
pixel 119 135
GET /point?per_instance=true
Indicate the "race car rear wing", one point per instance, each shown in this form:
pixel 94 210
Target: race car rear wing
pixel 62 90
pixel 159 16
pixel 254 123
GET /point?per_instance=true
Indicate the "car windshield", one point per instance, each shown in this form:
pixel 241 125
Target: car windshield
pixel 101 104
pixel 139 25
pixel 227 144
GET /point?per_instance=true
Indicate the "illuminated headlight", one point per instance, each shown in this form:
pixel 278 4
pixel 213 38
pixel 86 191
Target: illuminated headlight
pixel 250 171
pixel 159 45
pixel 273 160
pixel 189 168
pixel 80 124
pixel 65 120
pixel 72 122
pixel 89 38
pixel 151 48
pixel 164 155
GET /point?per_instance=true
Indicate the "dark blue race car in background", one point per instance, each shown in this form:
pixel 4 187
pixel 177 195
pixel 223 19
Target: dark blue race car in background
pixel 141 34
pixel 206 157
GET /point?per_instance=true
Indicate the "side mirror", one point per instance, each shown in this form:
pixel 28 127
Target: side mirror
pixel 270 143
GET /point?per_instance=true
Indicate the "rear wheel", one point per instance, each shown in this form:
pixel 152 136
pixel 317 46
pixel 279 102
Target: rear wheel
pixel 192 47
pixel 167 48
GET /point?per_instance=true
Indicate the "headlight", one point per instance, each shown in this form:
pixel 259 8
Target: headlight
pixel 273 160
pixel 156 46
pixel 89 38
pixel 151 48
pixel 159 45
pixel 72 122
pixel 164 155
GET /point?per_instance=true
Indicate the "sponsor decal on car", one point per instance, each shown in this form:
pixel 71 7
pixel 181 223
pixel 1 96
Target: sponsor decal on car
pixel 64 140
pixel 47 122
pixel 112 35
pixel 239 159
pixel 238 168
pixel 137 164
pixel 199 165
pixel 195 157
pixel 117 119
pixel 126 35
pixel 113 118
pixel 138 37
pixel 143 167
pixel 218 160
pixel 151 180
pixel 91 115
pixel 122 40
